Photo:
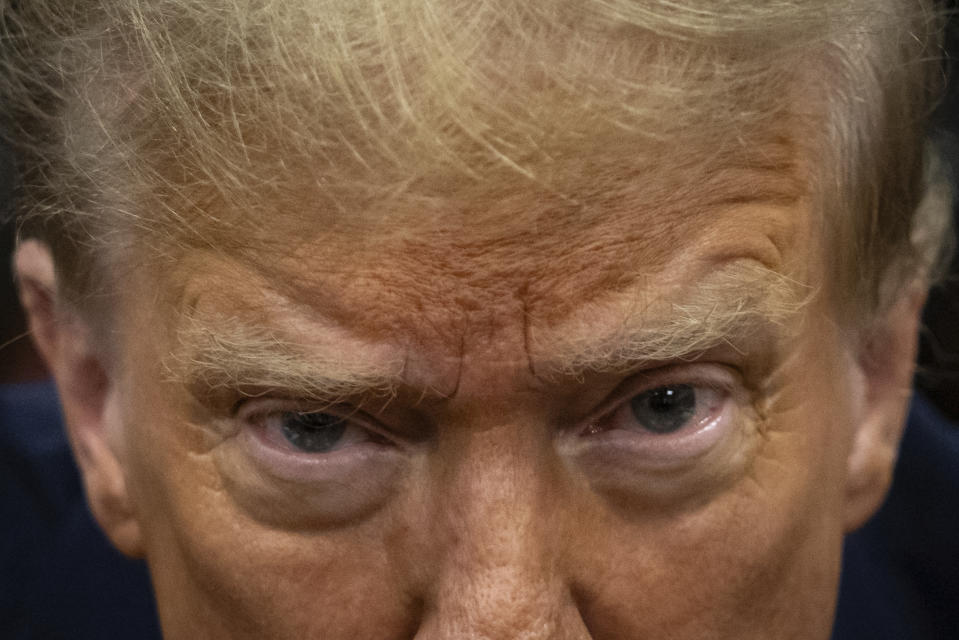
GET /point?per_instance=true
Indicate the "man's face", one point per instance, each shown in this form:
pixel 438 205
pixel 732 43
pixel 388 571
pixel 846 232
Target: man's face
pixel 631 422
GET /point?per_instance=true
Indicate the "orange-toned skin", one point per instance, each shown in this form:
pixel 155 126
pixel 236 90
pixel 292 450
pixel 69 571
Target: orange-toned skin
pixel 496 511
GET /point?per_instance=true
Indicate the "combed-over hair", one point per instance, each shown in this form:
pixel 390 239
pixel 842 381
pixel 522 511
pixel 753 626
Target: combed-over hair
pixel 129 117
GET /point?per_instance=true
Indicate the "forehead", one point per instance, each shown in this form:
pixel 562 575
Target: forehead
pixel 458 275
pixel 401 198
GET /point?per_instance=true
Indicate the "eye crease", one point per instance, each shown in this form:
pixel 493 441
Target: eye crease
pixel 665 410
pixel 659 411
pixel 497 319
pixel 314 432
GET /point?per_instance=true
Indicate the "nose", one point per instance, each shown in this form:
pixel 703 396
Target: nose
pixel 499 552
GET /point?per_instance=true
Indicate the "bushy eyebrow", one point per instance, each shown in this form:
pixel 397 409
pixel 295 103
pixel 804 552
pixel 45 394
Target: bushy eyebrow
pixel 736 305
pixel 732 305
pixel 233 354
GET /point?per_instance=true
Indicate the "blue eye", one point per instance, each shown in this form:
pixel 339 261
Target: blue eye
pixel 312 432
pixel 665 409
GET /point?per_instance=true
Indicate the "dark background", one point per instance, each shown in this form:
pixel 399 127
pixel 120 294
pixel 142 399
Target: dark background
pixel 938 374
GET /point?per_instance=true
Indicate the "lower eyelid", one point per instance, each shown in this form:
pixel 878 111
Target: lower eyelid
pixel 665 450
pixel 709 400
pixel 287 463
pixel 288 489
pixel 674 472
pixel 681 445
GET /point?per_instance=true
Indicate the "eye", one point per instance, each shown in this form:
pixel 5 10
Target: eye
pixel 666 436
pixel 301 463
pixel 314 432
pixel 665 410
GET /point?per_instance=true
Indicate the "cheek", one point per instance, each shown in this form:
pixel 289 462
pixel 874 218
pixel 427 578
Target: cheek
pixel 739 568
pixel 762 555
pixel 218 572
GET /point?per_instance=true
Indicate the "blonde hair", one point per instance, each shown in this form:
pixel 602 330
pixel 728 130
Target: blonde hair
pixel 130 117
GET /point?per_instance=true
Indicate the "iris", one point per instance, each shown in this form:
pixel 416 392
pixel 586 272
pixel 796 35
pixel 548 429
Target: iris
pixel 313 432
pixel 665 409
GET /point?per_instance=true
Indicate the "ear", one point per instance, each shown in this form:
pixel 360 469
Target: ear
pixel 886 362
pixel 87 394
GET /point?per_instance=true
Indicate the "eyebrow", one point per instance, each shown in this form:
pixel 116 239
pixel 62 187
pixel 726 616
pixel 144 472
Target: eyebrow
pixel 233 354
pixel 736 305
pixel 729 306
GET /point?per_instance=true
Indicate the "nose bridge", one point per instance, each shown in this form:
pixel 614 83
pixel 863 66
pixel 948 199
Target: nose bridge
pixel 500 563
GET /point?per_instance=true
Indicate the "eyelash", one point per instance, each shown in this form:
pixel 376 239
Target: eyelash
pixel 715 377
pixel 260 415
pixel 676 447
pixel 713 380
pixel 702 413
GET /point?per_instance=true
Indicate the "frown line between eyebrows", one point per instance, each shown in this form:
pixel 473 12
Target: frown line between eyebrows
pixel 738 305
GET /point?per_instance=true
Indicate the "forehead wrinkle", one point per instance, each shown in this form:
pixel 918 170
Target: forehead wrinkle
pixel 450 258
pixel 732 306
pixel 385 288
pixel 232 331
pixel 217 350
pixel 237 325
pixel 548 276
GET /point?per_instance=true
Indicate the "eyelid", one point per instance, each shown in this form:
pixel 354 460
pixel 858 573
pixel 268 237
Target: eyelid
pixel 716 376
pixel 252 412
pixel 289 487
pixel 663 465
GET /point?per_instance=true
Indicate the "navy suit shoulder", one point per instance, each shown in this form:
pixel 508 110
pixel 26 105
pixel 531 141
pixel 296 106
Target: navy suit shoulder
pixel 900 577
pixel 61 579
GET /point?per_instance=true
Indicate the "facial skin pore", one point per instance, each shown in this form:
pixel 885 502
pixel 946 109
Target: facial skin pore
pixel 491 366
pixel 493 479
pixel 476 320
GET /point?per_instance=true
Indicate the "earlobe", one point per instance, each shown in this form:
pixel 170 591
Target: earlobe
pixel 886 366
pixel 87 394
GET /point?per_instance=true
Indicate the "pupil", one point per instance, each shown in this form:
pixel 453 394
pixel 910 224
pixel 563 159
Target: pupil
pixel 312 432
pixel 665 409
